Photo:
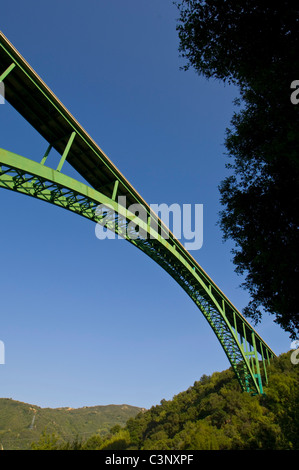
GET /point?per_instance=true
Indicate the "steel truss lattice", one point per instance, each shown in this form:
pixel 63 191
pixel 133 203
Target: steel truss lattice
pixel 247 353
pixel 97 200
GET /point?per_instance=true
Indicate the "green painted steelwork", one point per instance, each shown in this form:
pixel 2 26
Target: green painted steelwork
pixel 66 151
pixel 6 72
pixel 106 186
pixel 35 179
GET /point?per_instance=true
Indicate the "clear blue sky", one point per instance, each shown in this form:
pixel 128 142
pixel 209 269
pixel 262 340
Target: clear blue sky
pixel 88 322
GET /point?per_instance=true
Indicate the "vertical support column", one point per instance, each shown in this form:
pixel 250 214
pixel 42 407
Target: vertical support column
pixel 43 161
pixel 7 72
pixel 66 151
pixel 46 154
pixel 149 223
pixel 115 190
pixel 257 365
pixel 235 324
pixel 246 350
pixel 223 307
pixel 148 226
pixel 264 363
pixel 2 86
pixel 245 344
pixel 268 358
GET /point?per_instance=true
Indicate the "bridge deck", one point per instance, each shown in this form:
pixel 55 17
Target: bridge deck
pixel 32 98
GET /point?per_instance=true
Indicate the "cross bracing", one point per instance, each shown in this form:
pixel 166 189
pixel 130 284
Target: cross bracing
pixel 97 200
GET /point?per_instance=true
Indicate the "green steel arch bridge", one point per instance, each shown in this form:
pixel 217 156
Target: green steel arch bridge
pixel 246 351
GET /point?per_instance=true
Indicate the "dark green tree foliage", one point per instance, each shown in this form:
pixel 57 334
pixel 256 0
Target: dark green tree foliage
pixel 240 41
pixel 254 45
pixel 213 414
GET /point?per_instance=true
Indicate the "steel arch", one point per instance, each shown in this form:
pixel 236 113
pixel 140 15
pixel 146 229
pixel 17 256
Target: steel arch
pixel 29 95
pixel 34 179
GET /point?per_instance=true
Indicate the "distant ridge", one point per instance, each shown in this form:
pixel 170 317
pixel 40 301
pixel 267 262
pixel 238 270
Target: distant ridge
pixel 23 423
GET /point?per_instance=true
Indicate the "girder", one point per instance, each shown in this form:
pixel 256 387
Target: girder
pixel 245 349
pixel 36 180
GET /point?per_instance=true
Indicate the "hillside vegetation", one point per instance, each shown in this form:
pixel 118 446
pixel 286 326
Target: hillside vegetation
pixel 22 423
pixel 212 414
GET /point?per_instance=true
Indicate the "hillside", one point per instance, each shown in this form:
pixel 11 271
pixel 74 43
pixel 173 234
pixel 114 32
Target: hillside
pixel 212 414
pixel 215 414
pixel 22 423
